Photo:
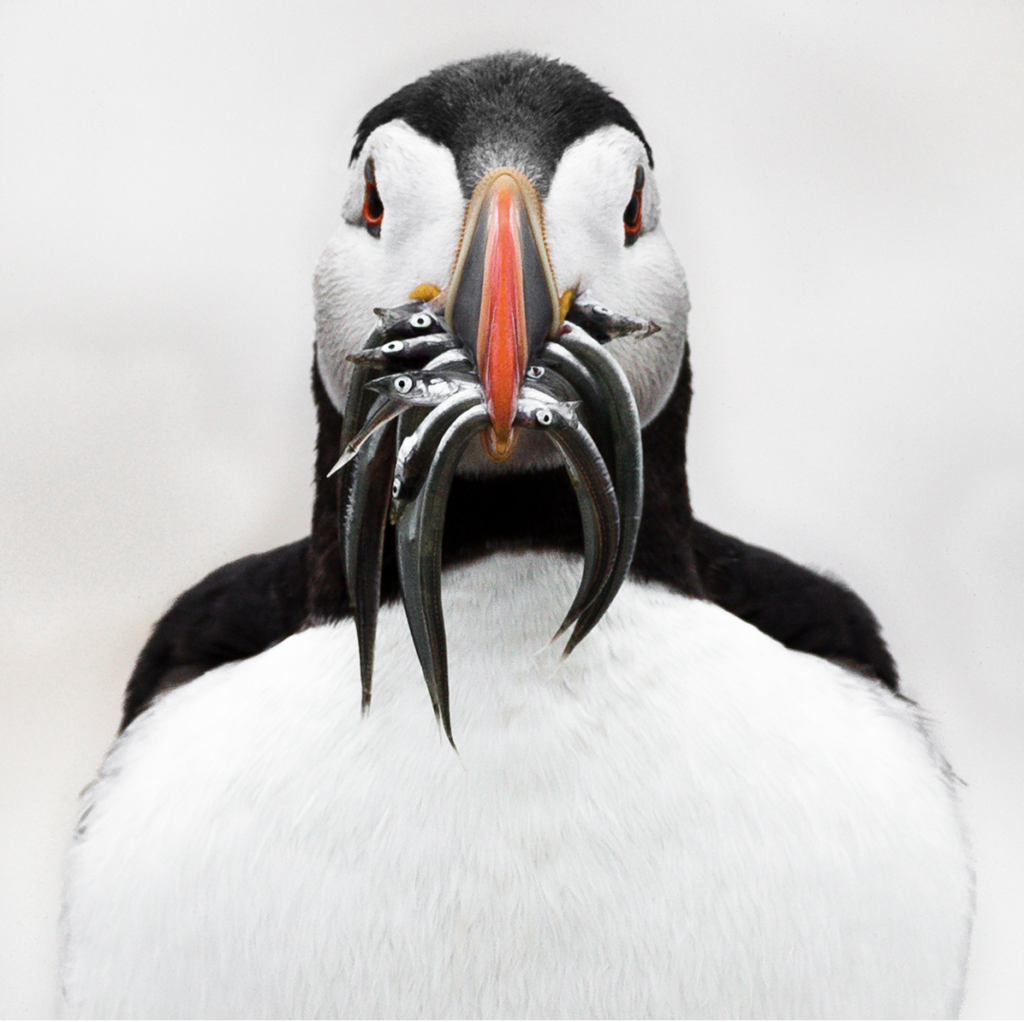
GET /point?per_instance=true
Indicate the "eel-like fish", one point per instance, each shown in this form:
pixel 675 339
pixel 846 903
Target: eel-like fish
pixel 604 325
pixel 424 386
pixel 413 353
pixel 595 494
pixel 596 414
pixel 365 519
pixel 418 541
pixel 416 451
pixel 629 472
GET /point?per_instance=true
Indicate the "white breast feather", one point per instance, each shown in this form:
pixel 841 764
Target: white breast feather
pixel 682 819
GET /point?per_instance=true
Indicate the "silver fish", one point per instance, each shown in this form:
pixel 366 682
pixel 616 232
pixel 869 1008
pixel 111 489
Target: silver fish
pixel 416 451
pixel 418 539
pixel 365 519
pixel 595 494
pixel 456 370
pixel 545 379
pixel 413 319
pixel 381 412
pixel 593 397
pixel 454 360
pixel 357 404
pixel 424 386
pixel 411 353
pixel 628 471
pixel 604 325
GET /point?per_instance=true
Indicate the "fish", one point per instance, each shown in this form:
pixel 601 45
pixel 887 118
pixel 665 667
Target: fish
pixel 593 397
pixel 453 366
pixel 406 322
pixel 604 325
pixel 595 494
pixel 574 392
pixel 412 319
pixel 628 473
pixel 416 451
pixel 424 386
pixel 382 411
pixel 365 520
pixel 412 353
pixel 418 540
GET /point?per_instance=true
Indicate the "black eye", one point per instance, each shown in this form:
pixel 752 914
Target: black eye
pixel 373 208
pixel 633 217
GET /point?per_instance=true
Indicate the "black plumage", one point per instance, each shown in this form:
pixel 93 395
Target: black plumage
pixel 236 612
pixel 509 109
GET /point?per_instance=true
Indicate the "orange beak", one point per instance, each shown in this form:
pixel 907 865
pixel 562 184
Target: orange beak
pixel 503 301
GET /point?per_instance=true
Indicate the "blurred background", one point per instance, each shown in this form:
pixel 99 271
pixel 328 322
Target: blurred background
pixel 844 184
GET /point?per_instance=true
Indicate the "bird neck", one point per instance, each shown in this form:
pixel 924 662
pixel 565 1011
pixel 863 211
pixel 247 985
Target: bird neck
pixel 535 510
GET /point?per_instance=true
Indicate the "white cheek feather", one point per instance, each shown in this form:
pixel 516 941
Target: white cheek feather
pixel 423 207
pixel 682 819
pixel 583 218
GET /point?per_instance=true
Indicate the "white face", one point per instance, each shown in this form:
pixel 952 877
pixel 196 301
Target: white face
pixel 583 216
pixel 420 231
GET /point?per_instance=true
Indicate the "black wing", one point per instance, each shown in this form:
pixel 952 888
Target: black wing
pixel 237 611
pixel 249 605
pixel 796 606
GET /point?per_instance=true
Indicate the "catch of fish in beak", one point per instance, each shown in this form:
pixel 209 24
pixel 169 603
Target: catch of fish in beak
pixel 415 403
pixel 497 352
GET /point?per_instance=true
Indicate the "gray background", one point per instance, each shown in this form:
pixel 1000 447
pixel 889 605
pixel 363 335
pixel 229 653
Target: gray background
pixel 844 184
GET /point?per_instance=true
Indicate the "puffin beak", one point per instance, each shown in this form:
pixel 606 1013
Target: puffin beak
pixel 503 301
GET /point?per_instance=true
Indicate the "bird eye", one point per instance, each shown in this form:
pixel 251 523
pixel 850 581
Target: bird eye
pixel 373 208
pixel 420 321
pixel 633 217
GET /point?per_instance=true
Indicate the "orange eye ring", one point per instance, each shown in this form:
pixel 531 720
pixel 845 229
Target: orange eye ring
pixel 633 216
pixel 373 208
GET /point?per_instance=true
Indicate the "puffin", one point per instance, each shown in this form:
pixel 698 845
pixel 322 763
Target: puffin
pixel 511 734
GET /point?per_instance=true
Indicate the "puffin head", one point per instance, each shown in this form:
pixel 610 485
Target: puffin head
pixel 503 214
pixel 428 170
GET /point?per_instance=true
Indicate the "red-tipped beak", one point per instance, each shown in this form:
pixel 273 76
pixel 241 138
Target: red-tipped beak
pixel 503 302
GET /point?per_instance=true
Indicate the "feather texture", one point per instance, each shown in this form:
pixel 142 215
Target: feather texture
pixel 683 818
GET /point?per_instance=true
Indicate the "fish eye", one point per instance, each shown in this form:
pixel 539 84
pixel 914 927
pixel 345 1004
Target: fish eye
pixel 602 310
pixel 373 208
pixel 392 347
pixel 535 372
pixel 544 417
pixel 396 489
pixel 633 217
pixel 420 321
pixel 403 384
